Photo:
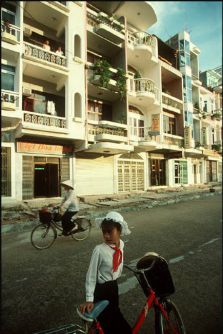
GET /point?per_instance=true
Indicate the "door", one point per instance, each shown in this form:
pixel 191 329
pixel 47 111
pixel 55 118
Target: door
pixel 46 180
pixel 130 176
pixel 158 172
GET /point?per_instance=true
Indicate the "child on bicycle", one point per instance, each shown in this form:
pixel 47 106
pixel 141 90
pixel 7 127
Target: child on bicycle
pixel 105 268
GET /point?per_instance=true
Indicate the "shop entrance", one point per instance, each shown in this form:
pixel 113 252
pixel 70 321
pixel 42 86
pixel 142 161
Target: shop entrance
pixel 158 172
pixel 46 180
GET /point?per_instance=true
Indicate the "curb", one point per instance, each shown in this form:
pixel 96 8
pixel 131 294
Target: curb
pixel 28 226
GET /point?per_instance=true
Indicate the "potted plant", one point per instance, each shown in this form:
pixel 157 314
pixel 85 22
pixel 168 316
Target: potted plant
pixel 102 72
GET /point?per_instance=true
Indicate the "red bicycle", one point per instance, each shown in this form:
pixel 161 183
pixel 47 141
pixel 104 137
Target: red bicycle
pixel 154 277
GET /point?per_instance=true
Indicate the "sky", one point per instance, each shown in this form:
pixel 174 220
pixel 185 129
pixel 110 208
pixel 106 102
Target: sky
pixel 202 19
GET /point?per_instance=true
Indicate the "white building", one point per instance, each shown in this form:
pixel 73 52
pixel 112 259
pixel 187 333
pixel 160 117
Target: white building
pixel 69 115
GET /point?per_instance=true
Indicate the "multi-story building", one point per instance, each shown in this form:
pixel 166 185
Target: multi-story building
pixel 87 94
pixel 212 79
pixel 202 116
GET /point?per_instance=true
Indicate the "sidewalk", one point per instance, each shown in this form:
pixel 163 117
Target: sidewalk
pixel 20 218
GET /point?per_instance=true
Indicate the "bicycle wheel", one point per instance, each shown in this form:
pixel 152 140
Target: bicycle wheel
pixel 175 324
pixel 43 236
pixel 84 228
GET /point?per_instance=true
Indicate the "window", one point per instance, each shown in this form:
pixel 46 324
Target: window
pixel 77 105
pixel 77 46
pixel 169 124
pixel 6 171
pixel 8 77
pixel 136 121
pixel 8 13
pixel 94 110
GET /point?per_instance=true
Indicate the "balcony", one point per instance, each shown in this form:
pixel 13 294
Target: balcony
pixel 143 91
pixel 43 122
pixel 141 45
pixel 105 26
pixel 36 53
pixel 10 107
pixel 10 33
pixel 172 103
pixel 107 78
pixel 173 140
pixel 107 134
pixel 142 140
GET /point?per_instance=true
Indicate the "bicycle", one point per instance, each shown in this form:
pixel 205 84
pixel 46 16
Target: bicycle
pixel 154 277
pixel 44 234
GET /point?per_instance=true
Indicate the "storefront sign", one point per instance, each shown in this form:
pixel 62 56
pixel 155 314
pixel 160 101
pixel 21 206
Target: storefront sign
pixel 25 147
pixel 187 137
pixel 155 128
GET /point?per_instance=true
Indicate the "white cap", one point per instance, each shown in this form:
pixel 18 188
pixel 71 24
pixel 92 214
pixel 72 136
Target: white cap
pixel 116 217
pixel 68 183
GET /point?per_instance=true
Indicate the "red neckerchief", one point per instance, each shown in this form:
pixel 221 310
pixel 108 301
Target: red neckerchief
pixel 117 257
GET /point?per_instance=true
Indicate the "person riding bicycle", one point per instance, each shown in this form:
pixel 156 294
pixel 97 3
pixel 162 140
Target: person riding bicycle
pixel 105 268
pixel 68 207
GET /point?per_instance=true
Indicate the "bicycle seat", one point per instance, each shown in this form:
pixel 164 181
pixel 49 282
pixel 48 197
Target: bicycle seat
pixel 98 308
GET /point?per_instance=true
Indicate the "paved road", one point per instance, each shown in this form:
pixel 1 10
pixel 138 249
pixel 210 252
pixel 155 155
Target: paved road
pixel 40 289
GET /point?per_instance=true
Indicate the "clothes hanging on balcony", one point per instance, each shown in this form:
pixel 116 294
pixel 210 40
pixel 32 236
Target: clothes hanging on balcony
pixel 51 108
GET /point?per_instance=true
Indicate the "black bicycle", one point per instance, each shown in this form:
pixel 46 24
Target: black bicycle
pixel 44 234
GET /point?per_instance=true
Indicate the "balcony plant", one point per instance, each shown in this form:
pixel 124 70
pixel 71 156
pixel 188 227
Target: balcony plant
pixel 102 72
pixel 121 78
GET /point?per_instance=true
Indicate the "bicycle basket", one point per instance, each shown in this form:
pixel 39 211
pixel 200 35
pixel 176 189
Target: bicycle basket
pixel 159 276
pixel 45 216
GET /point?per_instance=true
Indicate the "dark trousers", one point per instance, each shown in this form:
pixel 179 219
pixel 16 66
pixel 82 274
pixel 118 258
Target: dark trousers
pixel 67 224
pixel 111 319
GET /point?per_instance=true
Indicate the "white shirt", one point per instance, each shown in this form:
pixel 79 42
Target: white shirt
pixel 101 268
pixel 70 201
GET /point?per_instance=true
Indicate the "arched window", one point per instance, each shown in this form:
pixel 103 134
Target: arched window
pixel 77 105
pixel 77 46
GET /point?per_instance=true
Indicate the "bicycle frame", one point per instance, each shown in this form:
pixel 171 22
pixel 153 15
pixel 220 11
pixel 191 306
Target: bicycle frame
pixel 152 301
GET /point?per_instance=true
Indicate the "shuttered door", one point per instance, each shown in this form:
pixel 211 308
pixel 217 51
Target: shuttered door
pixel 27 177
pixel 95 176
pixel 130 176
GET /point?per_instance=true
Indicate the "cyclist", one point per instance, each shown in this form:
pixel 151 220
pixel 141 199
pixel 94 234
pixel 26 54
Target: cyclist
pixel 105 267
pixel 68 207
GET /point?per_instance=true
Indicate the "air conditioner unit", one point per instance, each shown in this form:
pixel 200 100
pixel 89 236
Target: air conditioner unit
pixel 27 91
pixel 27 31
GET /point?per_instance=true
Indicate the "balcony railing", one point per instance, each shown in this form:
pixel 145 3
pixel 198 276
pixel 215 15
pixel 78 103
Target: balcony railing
pixel 142 134
pixel 10 33
pixel 34 51
pixel 9 100
pixel 44 120
pixel 142 38
pixel 109 131
pixel 171 101
pixel 143 85
pixel 173 140
pixel 106 26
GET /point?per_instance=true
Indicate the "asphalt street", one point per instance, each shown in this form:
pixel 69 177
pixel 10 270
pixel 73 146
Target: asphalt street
pixel 41 289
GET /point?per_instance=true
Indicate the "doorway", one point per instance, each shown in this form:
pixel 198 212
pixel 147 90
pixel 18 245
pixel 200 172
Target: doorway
pixel 46 180
pixel 158 172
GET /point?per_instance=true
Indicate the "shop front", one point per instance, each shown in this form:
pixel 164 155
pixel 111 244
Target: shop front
pixel 44 166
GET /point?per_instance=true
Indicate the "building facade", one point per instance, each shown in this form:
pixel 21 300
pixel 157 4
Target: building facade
pixel 89 95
